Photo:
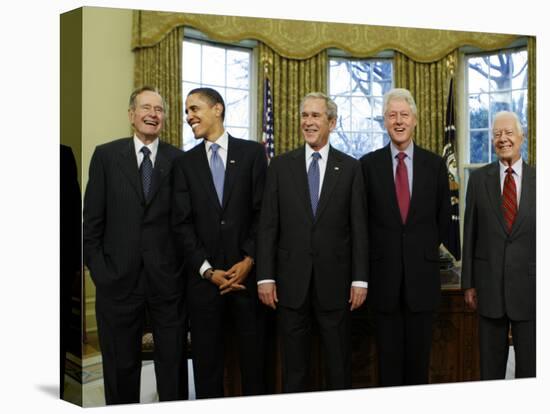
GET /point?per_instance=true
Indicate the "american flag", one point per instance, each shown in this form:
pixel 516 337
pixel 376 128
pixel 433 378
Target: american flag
pixel 267 136
pixel 452 171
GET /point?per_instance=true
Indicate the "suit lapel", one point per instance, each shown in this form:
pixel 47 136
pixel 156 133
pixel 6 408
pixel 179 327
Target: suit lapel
pixel 299 177
pixel 526 198
pixel 332 172
pixel 160 170
pixel 128 164
pixel 492 185
pixel 200 161
pixel 419 176
pixel 233 163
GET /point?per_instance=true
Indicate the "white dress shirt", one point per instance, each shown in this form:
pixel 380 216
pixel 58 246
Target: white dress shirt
pixel 322 168
pixel 518 170
pixel 153 147
pixel 223 142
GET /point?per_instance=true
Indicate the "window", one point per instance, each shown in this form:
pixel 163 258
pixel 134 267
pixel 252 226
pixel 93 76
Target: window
pixel 226 69
pixel 358 87
pixel 494 82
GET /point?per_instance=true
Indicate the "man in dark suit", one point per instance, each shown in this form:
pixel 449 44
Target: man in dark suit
pixel 129 249
pixel 219 186
pixel 408 215
pixel 499 253
pixel 312 254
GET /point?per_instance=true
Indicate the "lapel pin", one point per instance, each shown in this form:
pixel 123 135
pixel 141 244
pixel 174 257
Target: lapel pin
pixel 232 161
pixel 336 168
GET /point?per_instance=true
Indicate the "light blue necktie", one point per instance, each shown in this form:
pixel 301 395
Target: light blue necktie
pixel 218 171
pixel 146 170
pixel 313 181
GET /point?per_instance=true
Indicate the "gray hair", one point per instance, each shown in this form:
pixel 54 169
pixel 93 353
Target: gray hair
pixel 138 91
pixel 332 108
pixel 399 94
pixel 513 115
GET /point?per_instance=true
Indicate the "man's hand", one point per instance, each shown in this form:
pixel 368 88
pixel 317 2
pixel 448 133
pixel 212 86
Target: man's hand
pixel 267 292
pixel 237 275
pixel 470 297
pixel 357 296
pixel 219 277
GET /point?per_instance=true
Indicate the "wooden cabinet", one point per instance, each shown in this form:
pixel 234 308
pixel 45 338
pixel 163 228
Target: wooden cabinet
pixel 455 344
pixel 454 357
pixel 455 352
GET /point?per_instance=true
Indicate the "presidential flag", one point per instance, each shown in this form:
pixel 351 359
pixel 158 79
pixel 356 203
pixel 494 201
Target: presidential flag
pixel 267 136
pixel 452 171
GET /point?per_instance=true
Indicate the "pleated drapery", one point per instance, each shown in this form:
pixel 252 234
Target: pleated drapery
pixel 429 86
pixel 160 66
pixel 291 80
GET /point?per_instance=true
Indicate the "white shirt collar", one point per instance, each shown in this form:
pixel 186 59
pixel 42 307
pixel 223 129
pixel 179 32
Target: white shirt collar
pixel 153 146
pixel 222 141
pixel 409 151
pixel 517 167
pixel 323 151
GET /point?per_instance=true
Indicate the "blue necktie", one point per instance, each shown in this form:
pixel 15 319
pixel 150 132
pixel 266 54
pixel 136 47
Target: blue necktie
pixel 313 181
pixel 218 171
pixel 146 170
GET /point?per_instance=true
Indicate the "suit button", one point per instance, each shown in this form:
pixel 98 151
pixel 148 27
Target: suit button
pixel 222 222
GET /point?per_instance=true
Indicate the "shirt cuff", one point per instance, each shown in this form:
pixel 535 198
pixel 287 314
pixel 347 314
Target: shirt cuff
pixel 261 282
pixel 205 266
pixel 360 284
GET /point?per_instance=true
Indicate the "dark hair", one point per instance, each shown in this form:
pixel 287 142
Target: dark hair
pixel 211 95
pixel 136 92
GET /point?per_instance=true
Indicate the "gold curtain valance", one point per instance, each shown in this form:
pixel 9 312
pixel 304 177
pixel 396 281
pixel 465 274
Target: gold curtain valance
pixel 296 39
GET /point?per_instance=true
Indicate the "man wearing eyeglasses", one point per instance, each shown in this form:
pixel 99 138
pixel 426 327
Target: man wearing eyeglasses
pixel 499 253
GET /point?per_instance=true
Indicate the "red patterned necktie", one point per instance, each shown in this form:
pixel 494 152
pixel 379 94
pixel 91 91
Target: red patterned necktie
pixel 402 186
pixel 509 199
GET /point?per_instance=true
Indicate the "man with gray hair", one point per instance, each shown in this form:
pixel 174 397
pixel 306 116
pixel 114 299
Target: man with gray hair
pixel 312 247
pixel 499 253
pixel 130 251
pixel 408 214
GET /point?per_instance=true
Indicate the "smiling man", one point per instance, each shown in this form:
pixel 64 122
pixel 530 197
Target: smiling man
pixel 499 253
pixel 130 252
pixel 218 193
pixel 408 215
pixel 312 247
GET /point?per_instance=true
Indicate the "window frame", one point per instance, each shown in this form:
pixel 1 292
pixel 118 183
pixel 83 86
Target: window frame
pixel 194 36
pixel 386 56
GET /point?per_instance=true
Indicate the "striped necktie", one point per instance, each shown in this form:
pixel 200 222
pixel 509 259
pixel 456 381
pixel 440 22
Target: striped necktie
pixel 509 199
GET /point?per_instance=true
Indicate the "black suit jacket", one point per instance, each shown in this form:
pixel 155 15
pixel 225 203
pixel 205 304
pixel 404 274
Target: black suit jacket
pixel 222 234
pixel 501 266
pixel 294 246
pixel 122 232
pixel 408 253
